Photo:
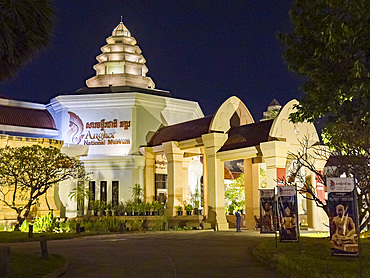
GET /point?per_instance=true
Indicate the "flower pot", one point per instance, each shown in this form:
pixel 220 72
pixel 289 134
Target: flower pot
pixel 179 213
pixel 147 213
pixel 188 213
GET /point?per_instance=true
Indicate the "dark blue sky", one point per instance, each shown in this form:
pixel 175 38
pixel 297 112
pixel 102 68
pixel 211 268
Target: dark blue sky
pixel 205 51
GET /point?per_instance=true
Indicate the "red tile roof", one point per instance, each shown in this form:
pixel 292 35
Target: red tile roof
pixel 26 117
pixel 182 131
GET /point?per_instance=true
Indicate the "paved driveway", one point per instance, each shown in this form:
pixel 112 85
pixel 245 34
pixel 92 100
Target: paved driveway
pixel 160 254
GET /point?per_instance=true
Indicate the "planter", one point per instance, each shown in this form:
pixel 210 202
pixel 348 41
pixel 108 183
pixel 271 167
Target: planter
pixel 147 213
pixel 197 211
pixel 154 213
pixel 188 213
pixel 179 213
pixel 136 213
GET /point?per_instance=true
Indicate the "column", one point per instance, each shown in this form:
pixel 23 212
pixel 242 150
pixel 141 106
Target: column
pixel 251 184
pixel 205 183
pixel 274 154
pixel 215 179
pixel 149 175
pixel 185 173
pixel 175 179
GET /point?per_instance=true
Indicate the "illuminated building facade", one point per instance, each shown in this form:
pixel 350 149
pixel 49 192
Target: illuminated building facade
pixel 126 132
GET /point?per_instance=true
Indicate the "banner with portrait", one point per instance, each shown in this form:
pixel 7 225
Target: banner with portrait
pixel 343 216
pixel 287 213
pixel 267 211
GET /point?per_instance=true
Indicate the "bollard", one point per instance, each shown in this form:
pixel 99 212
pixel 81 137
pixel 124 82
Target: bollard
pixel 30 230
pixel 44 247
pixel 122 227
pixel 202 225
pixel 78 230
pixel 4 261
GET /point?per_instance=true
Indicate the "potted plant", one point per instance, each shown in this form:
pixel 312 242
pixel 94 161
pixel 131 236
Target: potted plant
pixel 116 210
pixel 129 208
pixel 95 207
pixel 156 207
pixel 141 208
pixel 121 209
pixel 179 210
pixel 108 208
pixel 136 208
pixel 148 207
pixel 188 209
pixel 103 207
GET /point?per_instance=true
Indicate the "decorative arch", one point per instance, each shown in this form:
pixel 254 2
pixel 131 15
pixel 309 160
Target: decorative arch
pixel 231 107
pixel 283 129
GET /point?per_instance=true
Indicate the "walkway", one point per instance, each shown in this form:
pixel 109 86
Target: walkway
pixel 160 254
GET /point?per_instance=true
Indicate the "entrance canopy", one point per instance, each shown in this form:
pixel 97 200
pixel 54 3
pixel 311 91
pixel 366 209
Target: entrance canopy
pixel 229 134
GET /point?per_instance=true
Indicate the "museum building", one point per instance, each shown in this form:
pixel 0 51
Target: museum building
pixel 126 132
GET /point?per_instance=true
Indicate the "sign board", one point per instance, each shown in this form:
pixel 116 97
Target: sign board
pixel 287 213
pixel 267 211
pixel 343 216
pixel 106 132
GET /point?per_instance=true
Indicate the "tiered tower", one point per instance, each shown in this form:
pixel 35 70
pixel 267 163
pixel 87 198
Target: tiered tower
pixel 121 63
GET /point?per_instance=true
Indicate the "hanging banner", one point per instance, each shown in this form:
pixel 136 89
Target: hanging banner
pixel 343 216
pixel 287 213
pixel 267 210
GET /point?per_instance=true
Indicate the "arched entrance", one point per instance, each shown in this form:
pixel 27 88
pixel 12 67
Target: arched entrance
pixel 230 134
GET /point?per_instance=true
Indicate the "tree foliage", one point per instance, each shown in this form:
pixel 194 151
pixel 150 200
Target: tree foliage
pixel 25 28
pixel 331 47
pixel 26 173
pixel 79 194
pixel 235 194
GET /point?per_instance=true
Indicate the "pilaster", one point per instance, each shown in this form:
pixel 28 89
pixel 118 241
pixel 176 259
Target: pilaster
pixel 275 154
pixel 251 184
pixel 149 182
pixel 175 179
pixel 215 179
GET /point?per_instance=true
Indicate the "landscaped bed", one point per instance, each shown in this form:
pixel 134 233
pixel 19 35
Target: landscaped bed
pixel 311 257
pixel 33 265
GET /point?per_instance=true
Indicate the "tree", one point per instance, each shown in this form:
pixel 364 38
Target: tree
pixel 79 194
pixel 25 28
pixel 26 173
pixel 331 47
pixel 235 194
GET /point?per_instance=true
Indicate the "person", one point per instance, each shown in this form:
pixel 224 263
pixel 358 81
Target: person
pixel 238 220
pixel 343 228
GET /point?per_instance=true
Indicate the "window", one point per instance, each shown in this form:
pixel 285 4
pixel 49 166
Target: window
pixel 92 191
pixel 161 181
pixel 161 188
pixel 115 193
pixel 103 191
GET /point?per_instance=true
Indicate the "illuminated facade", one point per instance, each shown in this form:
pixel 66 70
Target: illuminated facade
pixel 106 123
pixel 126 132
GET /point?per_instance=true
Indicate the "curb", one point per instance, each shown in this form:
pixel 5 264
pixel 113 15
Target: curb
pixel 58 272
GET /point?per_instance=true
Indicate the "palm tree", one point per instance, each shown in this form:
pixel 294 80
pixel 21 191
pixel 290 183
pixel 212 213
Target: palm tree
pixel 80 193
pixel 25 28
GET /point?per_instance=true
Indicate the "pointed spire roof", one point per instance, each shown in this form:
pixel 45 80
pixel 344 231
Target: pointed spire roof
pixel 121 30
pixel 121 62
pixel 274 102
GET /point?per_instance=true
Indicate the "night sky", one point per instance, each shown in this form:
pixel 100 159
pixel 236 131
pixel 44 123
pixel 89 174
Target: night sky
pixel 205 51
